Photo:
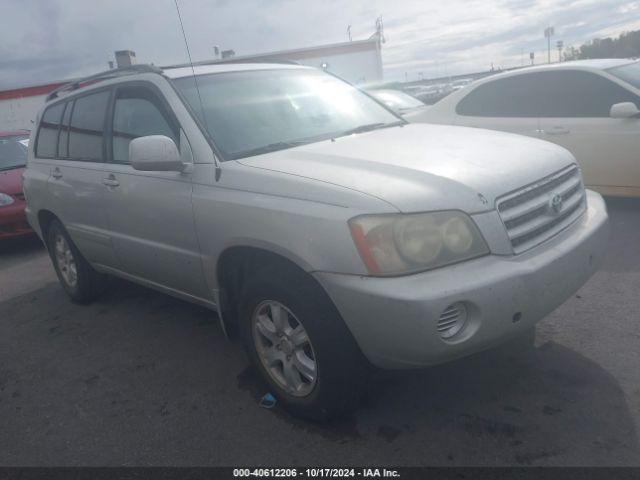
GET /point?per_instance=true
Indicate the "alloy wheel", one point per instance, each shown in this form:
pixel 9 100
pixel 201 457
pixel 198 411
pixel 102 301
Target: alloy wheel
pixel 284 348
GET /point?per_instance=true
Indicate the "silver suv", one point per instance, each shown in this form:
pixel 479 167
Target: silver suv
pixel 328 233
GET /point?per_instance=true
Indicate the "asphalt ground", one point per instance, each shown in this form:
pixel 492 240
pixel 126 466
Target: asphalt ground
pixel 139 378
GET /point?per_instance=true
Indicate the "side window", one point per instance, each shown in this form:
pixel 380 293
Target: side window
pixel 86 130
pixel 579 94
pixel 46 144
pixel 563 93
pixel 63 137
pixel 506 97
pixel 138 113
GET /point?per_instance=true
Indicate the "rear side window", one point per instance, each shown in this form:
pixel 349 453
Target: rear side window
pixel 562 93
pixel 138 112
pixel 47 141
pixel 86 131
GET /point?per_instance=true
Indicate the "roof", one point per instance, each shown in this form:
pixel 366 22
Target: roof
pixel 32 91
pixel 225 67
pixel 14 133
pixel 596 64
pixel 593 64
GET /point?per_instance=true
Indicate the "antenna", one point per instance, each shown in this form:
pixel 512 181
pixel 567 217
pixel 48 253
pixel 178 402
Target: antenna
pixel 195 78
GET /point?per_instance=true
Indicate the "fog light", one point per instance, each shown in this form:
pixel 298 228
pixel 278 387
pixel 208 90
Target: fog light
pixel 452 320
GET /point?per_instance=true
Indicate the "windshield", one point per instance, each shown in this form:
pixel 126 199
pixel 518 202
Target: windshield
pixel 13 151
pixel 398 101
pixel 253 112
pixel 630 73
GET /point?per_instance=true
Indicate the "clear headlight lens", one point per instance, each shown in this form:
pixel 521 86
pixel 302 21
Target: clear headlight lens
pixel 5 200
pixel 406 243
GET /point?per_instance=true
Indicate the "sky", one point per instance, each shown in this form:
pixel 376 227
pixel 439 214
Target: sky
pixel 47 40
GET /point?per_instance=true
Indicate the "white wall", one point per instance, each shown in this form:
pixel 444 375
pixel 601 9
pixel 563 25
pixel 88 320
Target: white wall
pixel 19 113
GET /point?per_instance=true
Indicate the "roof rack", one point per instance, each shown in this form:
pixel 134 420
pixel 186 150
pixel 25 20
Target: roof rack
pixel 106 75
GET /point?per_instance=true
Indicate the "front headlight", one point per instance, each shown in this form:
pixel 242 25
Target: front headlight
pixel 405 243
pixel 5 200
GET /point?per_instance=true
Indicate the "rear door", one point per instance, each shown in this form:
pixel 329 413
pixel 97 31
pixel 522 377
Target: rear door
pixel 506 104
pixel 575 113
pixel 71 143
pixel 150 213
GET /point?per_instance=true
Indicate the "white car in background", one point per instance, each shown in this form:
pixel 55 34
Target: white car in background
pixel 590 107
pixel 400 102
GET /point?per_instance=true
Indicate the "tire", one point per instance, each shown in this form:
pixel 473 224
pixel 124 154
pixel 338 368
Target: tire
pixel 81 282
pixel 341 371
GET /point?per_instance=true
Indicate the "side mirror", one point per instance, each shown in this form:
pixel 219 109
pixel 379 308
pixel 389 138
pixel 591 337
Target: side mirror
pixel 155 153
pixel 624 110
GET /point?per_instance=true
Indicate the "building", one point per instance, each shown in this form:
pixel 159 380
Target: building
pixel 357 62
pixel 18 106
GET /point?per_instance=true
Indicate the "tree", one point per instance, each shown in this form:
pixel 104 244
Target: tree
pixel 625 46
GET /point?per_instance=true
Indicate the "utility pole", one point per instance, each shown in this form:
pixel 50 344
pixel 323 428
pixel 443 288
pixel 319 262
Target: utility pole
pixel 548 33
pixel 349 32
pixel 560 45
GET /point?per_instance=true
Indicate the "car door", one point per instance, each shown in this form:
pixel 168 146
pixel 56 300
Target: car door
pixel 575 113
pixel 71 142
pixel 150 213
pixel 505 104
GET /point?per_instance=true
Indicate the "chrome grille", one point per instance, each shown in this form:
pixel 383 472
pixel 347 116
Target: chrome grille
pixel 539 211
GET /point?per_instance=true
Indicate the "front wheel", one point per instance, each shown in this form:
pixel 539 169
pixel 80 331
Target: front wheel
pixel 297 340
pixel 80 281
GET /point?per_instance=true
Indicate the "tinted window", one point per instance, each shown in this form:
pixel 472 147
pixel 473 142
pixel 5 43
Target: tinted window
pixel 46 144
pixel 138 113
pixel 545 94
pixel 87 127
pixel 63 137
pixel 630 73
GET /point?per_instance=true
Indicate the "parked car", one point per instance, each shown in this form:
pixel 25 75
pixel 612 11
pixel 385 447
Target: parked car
pixel 13 157
pixel 590 107
pixel 328 233
pixel 430 94
pixel 398 101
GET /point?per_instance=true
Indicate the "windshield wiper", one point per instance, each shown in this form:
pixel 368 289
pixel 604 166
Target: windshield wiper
pixel 272 147
pixel 368 127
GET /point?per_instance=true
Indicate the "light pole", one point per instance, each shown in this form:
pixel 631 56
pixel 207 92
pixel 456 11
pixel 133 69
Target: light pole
pixel 548 33
pixel 560 45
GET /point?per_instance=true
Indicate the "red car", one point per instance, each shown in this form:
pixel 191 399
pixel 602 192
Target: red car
pixel 13 158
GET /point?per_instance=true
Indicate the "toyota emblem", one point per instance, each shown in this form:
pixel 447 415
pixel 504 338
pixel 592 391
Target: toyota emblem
pixel 556 203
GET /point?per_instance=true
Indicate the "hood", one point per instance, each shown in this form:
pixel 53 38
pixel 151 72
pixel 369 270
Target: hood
pixel 420 167
pixel 11 181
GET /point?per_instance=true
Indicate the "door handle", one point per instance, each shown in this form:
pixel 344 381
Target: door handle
pixel 57 174
pixel 557 131
pixel 110 181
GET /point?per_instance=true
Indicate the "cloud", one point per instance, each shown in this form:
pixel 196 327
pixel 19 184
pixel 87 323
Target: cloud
pixel 58 39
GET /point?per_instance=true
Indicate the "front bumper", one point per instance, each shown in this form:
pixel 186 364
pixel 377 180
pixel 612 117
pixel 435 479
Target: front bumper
pixel 13 221
pixel 394 319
